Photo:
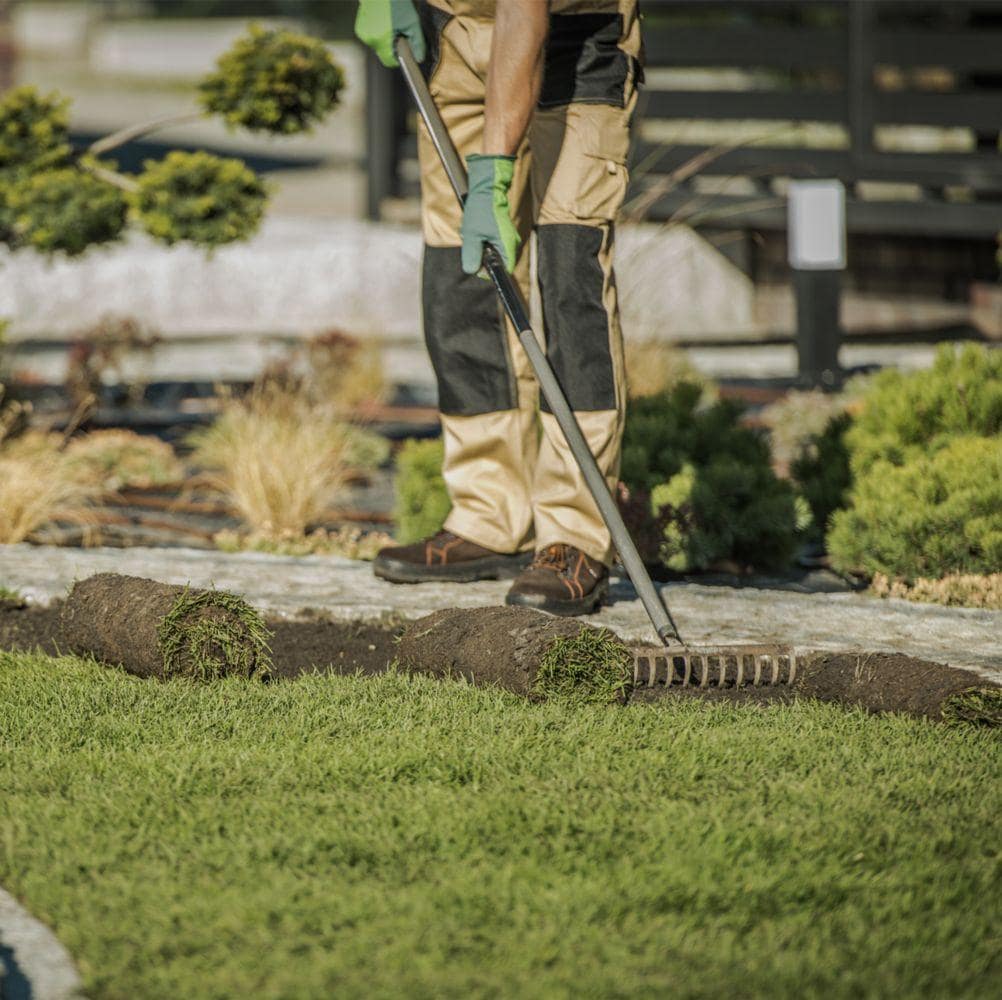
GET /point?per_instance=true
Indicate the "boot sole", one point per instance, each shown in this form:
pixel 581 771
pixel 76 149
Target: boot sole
pixel 492 568
pixel 565 609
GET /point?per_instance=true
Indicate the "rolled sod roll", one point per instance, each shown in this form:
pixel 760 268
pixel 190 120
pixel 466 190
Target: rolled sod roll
pixel 520 650
pixel 890 682
pixel 157 630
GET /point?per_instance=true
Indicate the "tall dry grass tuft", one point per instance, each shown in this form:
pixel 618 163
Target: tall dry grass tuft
pixel 39 483
pixel 278 460
pixel 652 366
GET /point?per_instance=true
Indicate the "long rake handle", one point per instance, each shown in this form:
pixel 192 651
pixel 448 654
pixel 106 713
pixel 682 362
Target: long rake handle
pixel 515 308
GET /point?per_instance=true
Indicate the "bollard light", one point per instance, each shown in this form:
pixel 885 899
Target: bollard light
pixel 816 250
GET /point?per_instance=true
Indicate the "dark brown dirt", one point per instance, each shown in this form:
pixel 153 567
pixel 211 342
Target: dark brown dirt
pixel 298 647
pixel 778 695
pixel 31 628
pixel 886 682
pixel 876 682
pixel 499 646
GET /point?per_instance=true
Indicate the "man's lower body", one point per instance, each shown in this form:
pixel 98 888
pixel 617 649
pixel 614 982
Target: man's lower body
pixel 514 485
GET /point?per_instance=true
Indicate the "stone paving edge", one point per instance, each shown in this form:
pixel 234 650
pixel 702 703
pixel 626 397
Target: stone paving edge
pixel 33 962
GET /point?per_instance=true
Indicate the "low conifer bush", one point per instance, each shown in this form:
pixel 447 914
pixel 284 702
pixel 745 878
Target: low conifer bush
pixel 925 457
pixel 707 482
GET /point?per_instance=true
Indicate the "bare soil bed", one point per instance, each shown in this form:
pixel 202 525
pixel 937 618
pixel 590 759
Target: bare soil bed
pixel 503 647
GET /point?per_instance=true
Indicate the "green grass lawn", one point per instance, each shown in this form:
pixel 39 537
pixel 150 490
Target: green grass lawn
pixel 396 837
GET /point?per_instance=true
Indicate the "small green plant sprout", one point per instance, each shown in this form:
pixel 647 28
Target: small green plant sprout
pixel 273 81
pixel 55 199
pixel 10 598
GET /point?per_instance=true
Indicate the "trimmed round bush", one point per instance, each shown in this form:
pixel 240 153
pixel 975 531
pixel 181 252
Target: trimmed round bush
pixel 273 81
pixel 64 210
pixel 200 198
pixel 34 136
pixel 34 130
pixel 938 513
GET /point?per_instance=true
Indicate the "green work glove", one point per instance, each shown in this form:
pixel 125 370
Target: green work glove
pixel 486 216
pixel 378 23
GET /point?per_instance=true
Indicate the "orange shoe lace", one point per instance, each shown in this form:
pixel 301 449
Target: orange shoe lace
pixel 552 557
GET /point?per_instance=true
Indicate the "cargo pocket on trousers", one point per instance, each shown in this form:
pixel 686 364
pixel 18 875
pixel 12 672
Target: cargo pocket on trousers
pixel 604 174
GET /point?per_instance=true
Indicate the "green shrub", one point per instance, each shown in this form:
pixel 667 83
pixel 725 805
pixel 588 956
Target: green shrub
pixel 34 130
pixel 821 472
pixel 273 81
pixel 422 500
pixel 904 414
pixel 709 481
pixel 64 210
pixel 34 136
pixel 206 199
pixel 938 513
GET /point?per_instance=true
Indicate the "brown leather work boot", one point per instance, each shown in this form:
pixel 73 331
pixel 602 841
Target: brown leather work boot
pixel 561 580
pixel 446 556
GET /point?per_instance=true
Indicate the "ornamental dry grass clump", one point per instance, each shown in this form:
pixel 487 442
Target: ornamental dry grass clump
pixel 117 459
pixel 652 366
pixel 40 483
pixel 969 590
pixel 277 459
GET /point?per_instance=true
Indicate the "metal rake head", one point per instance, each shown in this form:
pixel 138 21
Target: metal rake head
pixel 723 667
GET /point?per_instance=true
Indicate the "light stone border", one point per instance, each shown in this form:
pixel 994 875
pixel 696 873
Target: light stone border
pixel 33 963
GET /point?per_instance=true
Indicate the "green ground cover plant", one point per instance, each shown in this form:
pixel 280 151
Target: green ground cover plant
pixel 400 836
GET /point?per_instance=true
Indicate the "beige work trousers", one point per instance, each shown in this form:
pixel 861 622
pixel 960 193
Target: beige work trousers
pixel 514 485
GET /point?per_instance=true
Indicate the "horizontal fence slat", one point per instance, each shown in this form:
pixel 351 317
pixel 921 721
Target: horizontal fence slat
pixel 982 171
pixel 774 47
pixel 976 110
pixel 963 51
pixel 887 217
pixel 723 104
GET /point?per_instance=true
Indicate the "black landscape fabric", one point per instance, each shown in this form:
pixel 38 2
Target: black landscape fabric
pixel 158 630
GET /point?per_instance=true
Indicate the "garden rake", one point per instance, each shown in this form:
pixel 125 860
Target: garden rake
pixel 674 662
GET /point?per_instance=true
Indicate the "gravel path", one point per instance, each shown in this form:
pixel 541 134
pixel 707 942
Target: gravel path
pixel 347 590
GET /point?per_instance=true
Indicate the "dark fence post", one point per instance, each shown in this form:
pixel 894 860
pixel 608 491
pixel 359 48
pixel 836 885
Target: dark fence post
pixel 381 129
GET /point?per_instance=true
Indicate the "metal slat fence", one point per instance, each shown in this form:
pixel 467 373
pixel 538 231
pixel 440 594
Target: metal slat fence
pixel 872 92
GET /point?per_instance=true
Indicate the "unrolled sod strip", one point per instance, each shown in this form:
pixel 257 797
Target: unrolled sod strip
pixel 157 630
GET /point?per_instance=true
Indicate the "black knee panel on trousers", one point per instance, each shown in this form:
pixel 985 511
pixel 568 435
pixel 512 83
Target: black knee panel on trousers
pixel 466 336
pixel 571 283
